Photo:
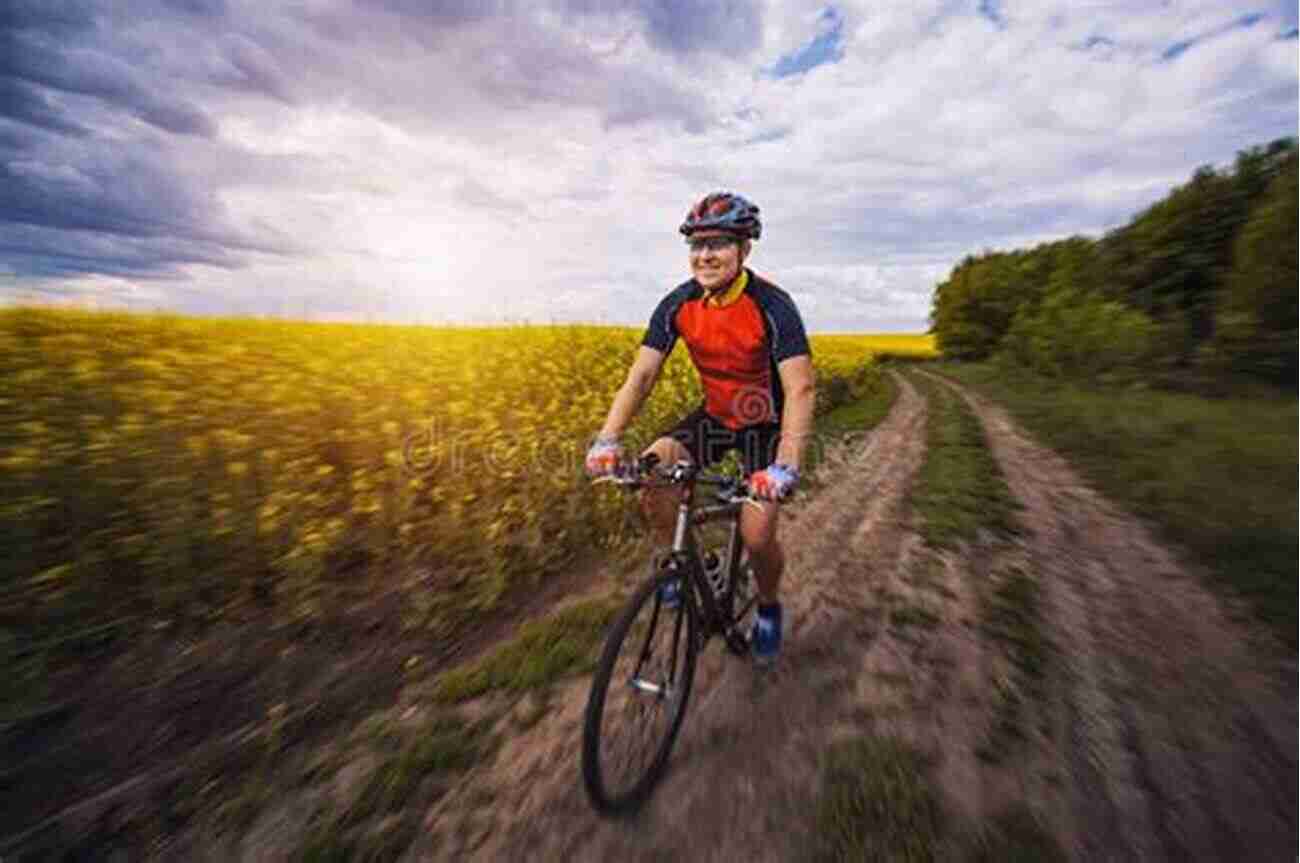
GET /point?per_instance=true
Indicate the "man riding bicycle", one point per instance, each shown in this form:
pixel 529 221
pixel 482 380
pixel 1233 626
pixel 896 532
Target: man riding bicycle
pixel 747 342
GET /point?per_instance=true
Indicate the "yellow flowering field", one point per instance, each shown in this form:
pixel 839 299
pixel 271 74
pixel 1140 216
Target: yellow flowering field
pixel 903 345
pixel 171 470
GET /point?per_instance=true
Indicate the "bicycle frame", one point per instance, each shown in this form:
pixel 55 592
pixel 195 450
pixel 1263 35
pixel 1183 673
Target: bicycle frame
pixel 687 550
pixel 684 548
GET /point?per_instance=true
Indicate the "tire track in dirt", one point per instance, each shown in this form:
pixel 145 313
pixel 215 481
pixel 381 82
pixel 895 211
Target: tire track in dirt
pixel 1181 732
pixel 939 685
pixel 745 767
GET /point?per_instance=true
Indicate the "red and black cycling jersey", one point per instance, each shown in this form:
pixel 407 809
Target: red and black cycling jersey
pixel 735 348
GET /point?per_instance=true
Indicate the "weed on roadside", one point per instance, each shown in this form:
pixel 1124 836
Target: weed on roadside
pixel 417 763
pixel 959 490
pixel 846 424
pixel 1010 616
pixel 877 803
pixel 542 652
pixel 1216 475
pixel 913 615
pixel 446 744
pixel 1015 835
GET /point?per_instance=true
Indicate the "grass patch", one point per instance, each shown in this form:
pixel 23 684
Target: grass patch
pixel 846 424
pixel 1015 836
pixel 927 574
pixel 849 422
pixel 876 803
pixel 913 615
pixel 1008 727
pixel 543 651
pixel 387 843
pixel 860 415
pixel 446 744
pixel 959 489
pixel 384 819
pixel 1010 615
pixel 1217 476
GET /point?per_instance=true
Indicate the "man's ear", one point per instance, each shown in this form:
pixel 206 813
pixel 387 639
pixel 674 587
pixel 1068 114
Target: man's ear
pixel 744 250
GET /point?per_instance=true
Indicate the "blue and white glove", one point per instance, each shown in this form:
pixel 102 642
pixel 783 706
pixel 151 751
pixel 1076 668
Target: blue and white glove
pixel 775 482
pixel 604 456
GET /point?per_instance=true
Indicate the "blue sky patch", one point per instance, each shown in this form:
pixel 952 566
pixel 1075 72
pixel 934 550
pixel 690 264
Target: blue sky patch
pixel 1177 48
pixel 824 48
pixel 992 10
pixel 1182 45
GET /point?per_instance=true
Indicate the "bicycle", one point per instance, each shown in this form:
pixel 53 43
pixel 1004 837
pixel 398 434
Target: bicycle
pixel 714 595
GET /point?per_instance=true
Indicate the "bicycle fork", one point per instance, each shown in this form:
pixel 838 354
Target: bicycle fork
pixel 664 691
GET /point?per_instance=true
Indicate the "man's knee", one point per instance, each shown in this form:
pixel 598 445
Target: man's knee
pixel 669 450
pixel 659 504
pixel 758 530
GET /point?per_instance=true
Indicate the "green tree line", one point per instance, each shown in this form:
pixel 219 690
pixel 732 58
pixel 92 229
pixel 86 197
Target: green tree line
pixel 1200 286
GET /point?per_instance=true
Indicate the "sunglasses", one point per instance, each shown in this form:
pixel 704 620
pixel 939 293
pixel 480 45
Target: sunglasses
pixel 713 244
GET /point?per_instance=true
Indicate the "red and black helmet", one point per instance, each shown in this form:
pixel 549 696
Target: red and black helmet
pixel 724 211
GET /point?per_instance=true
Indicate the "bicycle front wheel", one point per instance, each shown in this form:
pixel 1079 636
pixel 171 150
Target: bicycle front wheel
pixel 638 696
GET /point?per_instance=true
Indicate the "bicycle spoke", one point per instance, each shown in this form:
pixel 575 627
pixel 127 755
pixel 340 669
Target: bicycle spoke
pixel 672 657
pixel 650 630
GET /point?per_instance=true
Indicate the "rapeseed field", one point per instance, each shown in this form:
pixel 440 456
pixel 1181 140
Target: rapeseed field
pixel 171 470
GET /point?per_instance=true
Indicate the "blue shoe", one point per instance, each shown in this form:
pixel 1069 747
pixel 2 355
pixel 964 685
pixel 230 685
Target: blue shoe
pixel 670 592
pixel 765 637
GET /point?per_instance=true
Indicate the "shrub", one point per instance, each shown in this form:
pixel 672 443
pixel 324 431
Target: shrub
pixel 1080 335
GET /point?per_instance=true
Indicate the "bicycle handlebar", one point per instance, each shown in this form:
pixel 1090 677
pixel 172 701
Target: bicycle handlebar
pixel 645 471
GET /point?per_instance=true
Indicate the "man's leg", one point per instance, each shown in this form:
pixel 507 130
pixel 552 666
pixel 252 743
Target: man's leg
pixel 659 504
pixel 758 530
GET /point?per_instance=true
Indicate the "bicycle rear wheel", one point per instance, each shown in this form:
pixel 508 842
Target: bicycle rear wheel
pixel 638 697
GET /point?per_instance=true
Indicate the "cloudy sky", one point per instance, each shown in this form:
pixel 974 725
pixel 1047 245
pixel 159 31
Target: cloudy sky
pixel 455 160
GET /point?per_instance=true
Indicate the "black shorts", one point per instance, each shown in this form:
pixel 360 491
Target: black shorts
pixel 708 441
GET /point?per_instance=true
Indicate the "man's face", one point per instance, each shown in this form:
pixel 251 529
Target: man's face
pixel 715 258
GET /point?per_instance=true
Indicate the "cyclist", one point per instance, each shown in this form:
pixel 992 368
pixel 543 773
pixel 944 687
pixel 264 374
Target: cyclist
pixel 747 342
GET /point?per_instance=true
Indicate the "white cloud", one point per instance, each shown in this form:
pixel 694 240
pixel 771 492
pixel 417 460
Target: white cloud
pixel 535 163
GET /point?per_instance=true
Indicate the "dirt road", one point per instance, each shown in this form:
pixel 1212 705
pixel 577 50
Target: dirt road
pixel 1178 740
pixel 1156 732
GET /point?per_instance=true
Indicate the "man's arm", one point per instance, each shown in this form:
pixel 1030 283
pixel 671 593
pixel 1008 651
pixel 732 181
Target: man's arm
pixel 797 382
pixel 640 381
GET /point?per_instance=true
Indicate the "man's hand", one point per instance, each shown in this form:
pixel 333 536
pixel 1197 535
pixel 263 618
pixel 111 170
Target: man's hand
pixel 775 482
pixel 604 456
